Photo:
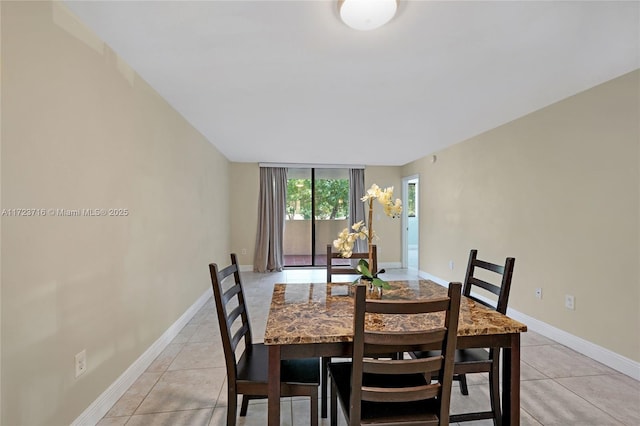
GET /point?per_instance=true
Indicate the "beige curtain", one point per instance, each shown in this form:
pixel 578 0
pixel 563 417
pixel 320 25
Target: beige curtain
pixel 271 215
pixel 356 206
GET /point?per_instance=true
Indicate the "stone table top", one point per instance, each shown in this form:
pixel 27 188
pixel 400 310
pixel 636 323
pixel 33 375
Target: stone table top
pixel 323 313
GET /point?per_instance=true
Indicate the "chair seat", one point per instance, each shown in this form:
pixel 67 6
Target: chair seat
pixel 461 355
pixel 384 412
pixel 254 367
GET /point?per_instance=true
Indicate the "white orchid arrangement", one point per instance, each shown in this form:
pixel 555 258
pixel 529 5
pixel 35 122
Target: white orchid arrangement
pixel 346 240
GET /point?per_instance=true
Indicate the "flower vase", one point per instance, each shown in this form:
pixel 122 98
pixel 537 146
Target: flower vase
pixel 373 292
pixel 366 281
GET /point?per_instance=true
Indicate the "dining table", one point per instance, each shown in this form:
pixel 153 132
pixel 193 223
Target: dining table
pixel 316 320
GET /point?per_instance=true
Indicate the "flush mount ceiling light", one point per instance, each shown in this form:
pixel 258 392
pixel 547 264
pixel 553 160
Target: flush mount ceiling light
pixel 366 14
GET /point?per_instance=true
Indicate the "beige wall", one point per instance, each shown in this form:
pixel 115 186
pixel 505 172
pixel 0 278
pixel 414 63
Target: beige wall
pixel 82 130
pixel 245 182
pixel 559 190
pixel 388 230
pixel 244 192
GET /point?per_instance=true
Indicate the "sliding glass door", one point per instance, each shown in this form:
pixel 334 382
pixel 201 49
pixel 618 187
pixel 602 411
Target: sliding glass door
pixel 317 210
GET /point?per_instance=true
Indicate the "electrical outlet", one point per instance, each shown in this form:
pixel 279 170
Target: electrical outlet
pixel 243 251
pixel 538 293
pixel 81 362
pixel 451 265
pixel 569 302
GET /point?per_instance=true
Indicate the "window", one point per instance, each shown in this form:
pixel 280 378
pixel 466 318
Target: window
pixel 317 209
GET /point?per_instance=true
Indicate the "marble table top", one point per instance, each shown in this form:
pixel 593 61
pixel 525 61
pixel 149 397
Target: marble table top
pixel 323 313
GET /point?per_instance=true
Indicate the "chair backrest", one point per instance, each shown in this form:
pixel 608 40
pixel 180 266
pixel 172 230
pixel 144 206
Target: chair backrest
pixel 504 272
pixel 233 317
pixel 342 269
pixel 370 342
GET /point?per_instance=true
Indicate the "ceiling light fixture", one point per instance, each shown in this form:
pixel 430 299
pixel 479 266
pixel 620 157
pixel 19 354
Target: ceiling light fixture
pixel 366 14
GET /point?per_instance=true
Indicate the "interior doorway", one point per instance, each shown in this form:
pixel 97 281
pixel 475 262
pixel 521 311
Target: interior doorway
pixel 410 223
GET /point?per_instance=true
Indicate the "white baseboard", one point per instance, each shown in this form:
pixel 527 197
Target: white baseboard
pixel 390 265
pixel 386 265
pixel 605 356
pixel 109 397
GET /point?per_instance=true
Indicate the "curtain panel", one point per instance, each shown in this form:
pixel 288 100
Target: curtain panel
pixel 356 206
pixel 268 254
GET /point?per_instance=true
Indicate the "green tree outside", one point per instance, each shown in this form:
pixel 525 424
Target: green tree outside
pixel 332 199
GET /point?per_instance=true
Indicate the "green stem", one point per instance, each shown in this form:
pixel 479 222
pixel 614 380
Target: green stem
pixel 371 237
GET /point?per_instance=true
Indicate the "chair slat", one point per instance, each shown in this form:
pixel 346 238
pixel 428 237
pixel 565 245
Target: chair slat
pixel 234 314
pixel 410 366
pixel 404 338
pixel 407 306
pixel 238 336
pixel 485 285
pixel 230 293
pixel 333 269
pixel 410 394
pixel 498 269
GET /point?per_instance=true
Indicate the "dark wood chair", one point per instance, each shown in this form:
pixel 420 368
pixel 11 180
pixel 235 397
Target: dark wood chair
pixel 480 360
pixel 397 392
pixel 248 375
pixel 334 268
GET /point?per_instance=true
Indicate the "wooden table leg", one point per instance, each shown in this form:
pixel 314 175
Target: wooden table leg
pixel 273 388
pixel 511 382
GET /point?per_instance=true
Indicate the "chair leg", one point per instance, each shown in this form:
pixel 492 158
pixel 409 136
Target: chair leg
pixel 324 386
pixel 334 405
pixel 245 405
pixel 314 408
pixel 232 406
pixel 494 388
pixel 463 384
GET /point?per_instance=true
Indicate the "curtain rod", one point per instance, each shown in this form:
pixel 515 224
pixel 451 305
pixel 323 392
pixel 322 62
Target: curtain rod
pixel 314 166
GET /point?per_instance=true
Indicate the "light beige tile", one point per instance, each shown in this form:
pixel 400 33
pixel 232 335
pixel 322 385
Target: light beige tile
pixel 219 417
pixel 198 355
pixel 527 372
pixel 205 311
pixel 223 395
pixel 186 333
pixel 525 420
pixel 618 395
pixel 301 411
pixel 174 418
pixel 559 361
pixel 531 338
pixel 554 405
pixel 477 400
pixel 129 402
pixel 184 390
pixel 257 414
pixel 472 380
pixel 207 332
pixel 113 421
pixel 166 357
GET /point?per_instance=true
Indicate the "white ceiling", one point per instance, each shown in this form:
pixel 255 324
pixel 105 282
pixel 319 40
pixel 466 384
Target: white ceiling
pixel 287 82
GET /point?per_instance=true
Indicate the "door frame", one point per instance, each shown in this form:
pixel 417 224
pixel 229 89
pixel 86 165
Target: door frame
pixel 405 218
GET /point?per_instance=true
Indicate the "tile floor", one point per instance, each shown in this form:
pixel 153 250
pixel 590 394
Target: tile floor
pixel 185 385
